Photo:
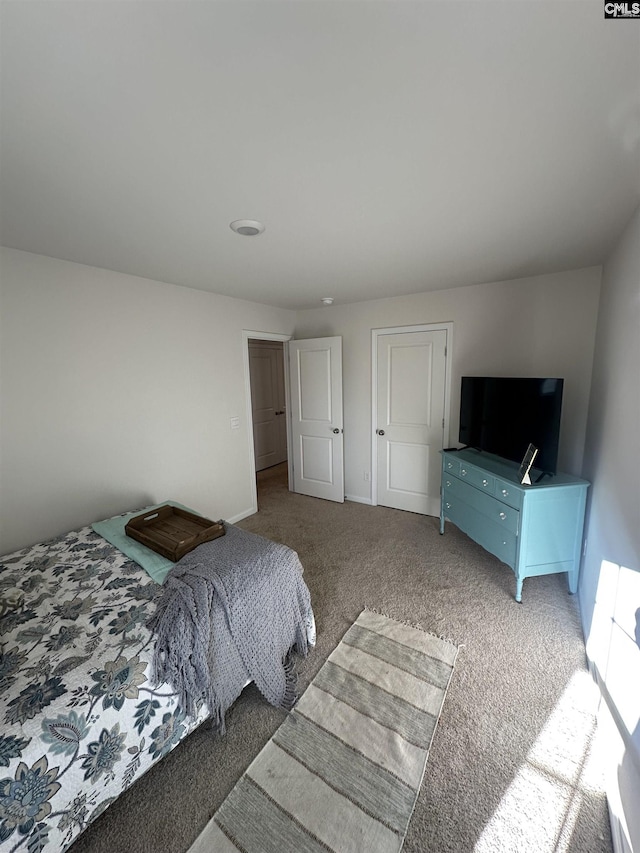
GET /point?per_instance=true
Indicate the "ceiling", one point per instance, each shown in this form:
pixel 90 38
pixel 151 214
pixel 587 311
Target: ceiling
pixel 388 147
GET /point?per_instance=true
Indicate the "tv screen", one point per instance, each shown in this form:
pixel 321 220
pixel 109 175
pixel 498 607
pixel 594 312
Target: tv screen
pixel 503 416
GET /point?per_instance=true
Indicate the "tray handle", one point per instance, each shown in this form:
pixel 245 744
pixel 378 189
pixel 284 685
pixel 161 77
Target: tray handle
pixel 151 515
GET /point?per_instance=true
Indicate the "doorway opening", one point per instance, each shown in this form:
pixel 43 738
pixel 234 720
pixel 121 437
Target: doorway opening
pixel 302 402
pixel 268 423
pixel 272 481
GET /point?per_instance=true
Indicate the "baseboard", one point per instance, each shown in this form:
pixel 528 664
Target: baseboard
pixel 621 769
pixel 619 835
pixel 245 514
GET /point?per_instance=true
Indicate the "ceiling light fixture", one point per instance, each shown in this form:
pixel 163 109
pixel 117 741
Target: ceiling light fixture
pixel 327 300
pixel 247 227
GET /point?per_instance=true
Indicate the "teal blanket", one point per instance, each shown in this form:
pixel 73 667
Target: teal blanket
pixel 155 565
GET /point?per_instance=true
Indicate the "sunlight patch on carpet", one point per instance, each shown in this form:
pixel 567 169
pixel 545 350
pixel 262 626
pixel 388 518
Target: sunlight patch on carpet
pixel 540 808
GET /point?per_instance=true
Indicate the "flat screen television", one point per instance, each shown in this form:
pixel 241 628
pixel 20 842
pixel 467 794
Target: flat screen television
pixel 503 415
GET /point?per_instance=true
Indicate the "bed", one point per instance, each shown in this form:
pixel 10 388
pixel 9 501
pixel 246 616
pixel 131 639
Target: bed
pixel 81 717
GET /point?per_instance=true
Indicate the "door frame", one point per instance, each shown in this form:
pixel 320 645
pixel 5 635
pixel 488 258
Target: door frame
pixel 400 330
pixel 263 336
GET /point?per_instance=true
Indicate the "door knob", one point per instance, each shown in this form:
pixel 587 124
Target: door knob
pixel 380 431
pixel 336 430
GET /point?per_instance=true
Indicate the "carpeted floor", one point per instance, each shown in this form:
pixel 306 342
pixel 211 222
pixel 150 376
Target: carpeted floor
pixel 510 769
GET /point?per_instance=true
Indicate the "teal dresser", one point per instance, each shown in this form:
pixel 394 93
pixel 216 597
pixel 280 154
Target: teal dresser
pixel 536 530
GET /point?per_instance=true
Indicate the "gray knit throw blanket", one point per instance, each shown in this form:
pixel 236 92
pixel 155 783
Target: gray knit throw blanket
pixel 267 609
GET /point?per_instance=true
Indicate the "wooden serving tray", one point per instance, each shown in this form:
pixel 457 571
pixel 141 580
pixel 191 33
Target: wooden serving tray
pixel 172 531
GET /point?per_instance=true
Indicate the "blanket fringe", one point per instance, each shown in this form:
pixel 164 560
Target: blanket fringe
pixel 416 626
pixel 290 697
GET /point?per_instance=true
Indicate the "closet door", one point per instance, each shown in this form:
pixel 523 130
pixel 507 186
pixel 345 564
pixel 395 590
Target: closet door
pixel 410 419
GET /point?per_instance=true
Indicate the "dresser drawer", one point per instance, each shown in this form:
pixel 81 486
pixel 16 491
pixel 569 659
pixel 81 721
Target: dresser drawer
pixel 494 538
pixel 450 466
pixel 499 513
pixel 452 485
pixel 507 493
pixel 478 478
pixel 500 542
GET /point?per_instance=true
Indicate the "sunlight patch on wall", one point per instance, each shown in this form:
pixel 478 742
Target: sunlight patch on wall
pixel 540 808
pixel 613 649
pixel 613 645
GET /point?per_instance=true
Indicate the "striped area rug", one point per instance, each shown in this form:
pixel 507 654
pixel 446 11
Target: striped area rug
pixel 343 771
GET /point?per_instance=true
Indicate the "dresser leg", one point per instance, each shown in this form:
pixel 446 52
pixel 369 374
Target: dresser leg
pixel 519 590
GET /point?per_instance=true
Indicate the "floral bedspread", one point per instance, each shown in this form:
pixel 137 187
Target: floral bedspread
pixel 79 718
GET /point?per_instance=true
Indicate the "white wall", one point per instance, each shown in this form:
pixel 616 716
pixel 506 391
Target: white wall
pixel 610 581
pixel 543 326
pixel 116 392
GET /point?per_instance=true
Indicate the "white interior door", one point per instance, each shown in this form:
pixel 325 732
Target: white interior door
pixel 315 376
pixel 268 410
pixel 410 385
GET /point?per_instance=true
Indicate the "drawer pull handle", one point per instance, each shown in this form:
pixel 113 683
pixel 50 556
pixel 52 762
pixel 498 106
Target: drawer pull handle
pixel 463 472
pixel 449 465
pixel 449 484
pixel 505 492
pixel 485 482
pixel 503 515
pixel 448 506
